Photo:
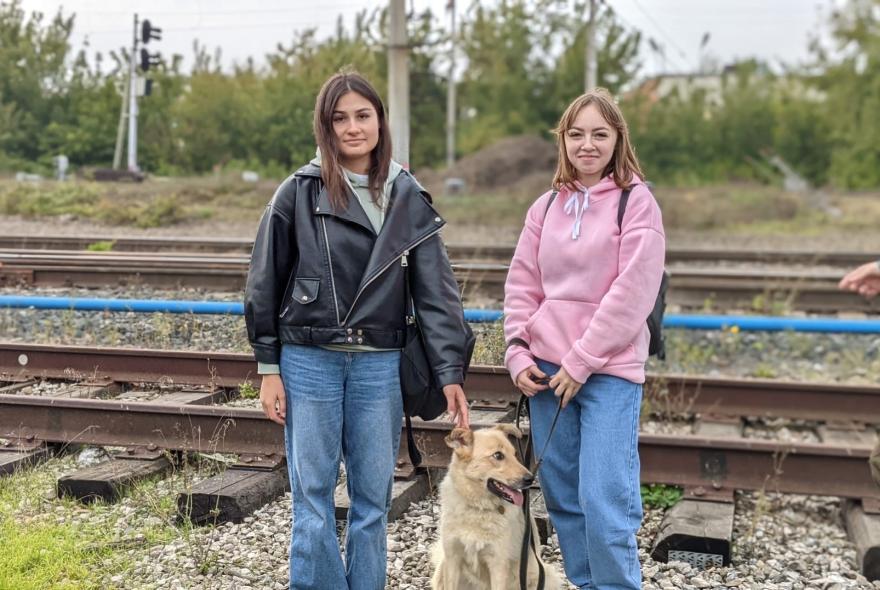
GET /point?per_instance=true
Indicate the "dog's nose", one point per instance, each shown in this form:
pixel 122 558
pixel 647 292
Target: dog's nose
pixel 528 480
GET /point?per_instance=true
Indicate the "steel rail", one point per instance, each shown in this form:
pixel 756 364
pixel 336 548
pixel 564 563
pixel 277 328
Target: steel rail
pixel 715 463
pixel 457 251
pixel 665 394
pixel 813 290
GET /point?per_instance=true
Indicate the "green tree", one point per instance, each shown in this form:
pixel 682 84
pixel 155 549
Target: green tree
pixel 506 75
pixel 850 77
pixel 616 57
pixel 33 76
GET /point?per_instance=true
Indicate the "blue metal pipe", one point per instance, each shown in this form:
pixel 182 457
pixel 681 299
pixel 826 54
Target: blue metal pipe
pixel 693 322
pixel 137 305
pixel 770 323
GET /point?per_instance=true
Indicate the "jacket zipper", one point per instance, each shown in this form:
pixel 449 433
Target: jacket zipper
pixel 330 261
pixel 383 269
pixel 410 305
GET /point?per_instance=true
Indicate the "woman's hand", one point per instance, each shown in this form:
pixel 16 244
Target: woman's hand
pixel 272 398
pixel 529 380
pixel 563 384
pixel 457 405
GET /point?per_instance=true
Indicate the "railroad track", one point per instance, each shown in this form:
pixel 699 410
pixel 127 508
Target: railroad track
pixel 807 289
pixel 499 254
pixel 95 393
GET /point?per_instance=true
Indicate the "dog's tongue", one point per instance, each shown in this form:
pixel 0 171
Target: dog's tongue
pixel 517 497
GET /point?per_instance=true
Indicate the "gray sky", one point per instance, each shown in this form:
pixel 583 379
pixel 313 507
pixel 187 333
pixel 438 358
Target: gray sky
pixel 775 30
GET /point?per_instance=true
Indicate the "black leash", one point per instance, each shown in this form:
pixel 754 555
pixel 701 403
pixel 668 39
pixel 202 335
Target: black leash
pixel 528 540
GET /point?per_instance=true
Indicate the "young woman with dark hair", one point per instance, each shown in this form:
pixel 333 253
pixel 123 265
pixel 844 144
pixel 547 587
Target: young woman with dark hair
pixel 325 311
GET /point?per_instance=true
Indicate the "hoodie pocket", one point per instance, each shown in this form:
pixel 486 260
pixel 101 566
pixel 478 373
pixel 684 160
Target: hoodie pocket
pixel 305 290
pixel 558 325
pixel 531 321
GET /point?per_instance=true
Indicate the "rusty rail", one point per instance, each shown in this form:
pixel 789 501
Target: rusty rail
pixel 683 460
pixel 666 394
pixel 457 251
pixel 812 290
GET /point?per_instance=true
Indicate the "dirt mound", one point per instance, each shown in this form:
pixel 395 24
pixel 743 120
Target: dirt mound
pixel 505 164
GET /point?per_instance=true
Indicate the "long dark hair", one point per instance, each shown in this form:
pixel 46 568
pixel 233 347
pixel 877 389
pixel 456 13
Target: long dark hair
pixel 331 169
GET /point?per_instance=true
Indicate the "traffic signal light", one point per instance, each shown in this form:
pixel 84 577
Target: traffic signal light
pixel 148 59
pixel 148 32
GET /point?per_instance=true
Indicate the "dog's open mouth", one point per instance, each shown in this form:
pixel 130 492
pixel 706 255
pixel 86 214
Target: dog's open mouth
pixel 505 492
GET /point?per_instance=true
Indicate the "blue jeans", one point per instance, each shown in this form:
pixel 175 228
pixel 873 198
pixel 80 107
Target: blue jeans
pixel 596 507
pixel 348 405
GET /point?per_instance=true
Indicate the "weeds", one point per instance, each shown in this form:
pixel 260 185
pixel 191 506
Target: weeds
pixel 661 495
pixel 101 246
pixel 247 391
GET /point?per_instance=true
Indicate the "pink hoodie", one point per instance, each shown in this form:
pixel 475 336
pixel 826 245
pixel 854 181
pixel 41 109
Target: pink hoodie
pixel 582 303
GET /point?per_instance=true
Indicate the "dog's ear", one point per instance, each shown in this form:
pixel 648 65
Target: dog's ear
pixel 509 430
pixel 460 438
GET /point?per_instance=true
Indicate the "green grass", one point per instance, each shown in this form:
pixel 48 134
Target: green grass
pixel 660 495
pixel 502 209
pixel 731 208
pixel 46 543
pixel 102 246
pixel 154 202
pixel 43 555
pixel 40 551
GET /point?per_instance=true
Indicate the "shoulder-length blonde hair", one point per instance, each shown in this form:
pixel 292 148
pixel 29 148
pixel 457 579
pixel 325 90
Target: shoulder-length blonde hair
pixel 623 164
pixel 331 168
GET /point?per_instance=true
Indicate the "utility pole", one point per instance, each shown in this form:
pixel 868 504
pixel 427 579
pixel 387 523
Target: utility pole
pixel 590 53
pixel 450 90
pixel 132 104
pixel 120 129
pixel 398 82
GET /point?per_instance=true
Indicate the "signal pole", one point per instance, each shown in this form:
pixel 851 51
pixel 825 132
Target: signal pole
pixel 450 91
pixel 590 53
pixel 147 32
pixel 132 102
pixel 120 129
pixel 398 82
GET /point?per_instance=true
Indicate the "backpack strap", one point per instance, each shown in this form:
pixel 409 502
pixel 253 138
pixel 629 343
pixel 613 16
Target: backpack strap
pixel 415 457
pixel 621 207
pixel 550 202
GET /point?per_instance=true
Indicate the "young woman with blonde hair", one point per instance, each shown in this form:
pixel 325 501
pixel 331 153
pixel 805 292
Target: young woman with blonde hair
pixel 580 288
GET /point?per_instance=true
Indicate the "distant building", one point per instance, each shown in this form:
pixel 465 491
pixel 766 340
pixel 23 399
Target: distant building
pixel 712 86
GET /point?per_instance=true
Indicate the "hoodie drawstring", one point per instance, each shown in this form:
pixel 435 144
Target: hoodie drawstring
pixel 573 206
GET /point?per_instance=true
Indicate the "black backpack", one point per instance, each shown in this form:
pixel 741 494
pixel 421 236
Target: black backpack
pixel 657 346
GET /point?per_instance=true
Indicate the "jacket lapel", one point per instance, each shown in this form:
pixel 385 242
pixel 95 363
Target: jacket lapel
pixel 409 219
pixel 353 214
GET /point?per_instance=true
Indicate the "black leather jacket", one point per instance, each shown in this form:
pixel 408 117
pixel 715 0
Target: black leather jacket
pixel 319 276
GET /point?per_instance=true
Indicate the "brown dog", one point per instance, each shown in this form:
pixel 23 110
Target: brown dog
pixel 481 517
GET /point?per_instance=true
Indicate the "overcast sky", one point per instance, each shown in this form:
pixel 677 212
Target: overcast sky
pixel 775 30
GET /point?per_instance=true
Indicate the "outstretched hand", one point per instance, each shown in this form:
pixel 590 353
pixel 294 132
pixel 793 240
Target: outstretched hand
pixel 865 280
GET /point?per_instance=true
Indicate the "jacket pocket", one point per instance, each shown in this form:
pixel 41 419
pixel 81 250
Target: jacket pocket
pixel 305 290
